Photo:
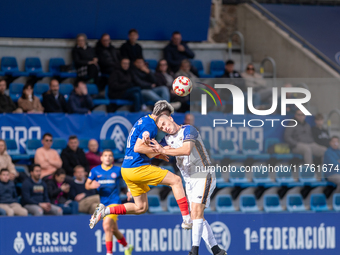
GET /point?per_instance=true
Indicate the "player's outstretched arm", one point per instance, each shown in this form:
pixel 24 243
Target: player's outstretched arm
pixel 185 150
pixel 142 148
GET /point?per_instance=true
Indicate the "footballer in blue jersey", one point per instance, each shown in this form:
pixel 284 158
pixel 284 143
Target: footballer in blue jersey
pixel 106 179
pixel 138 173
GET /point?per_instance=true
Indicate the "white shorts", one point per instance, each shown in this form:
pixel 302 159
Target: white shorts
pixel 199 190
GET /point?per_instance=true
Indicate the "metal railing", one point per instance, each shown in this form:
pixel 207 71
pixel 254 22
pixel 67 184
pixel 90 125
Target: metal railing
pixel 272 61
pixel 230 46
pixel 328 119
pixel 291 32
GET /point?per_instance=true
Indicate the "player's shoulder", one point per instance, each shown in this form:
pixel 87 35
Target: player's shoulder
pixel 189 132
pixel 96 169
pixel 189 128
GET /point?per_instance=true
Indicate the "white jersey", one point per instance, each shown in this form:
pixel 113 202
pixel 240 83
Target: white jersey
pixel 198 162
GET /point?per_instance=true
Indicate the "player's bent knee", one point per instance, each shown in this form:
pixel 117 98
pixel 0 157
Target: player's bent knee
pixel 142 209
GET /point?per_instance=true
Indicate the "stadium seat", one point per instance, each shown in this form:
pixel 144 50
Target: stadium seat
pixel 227 150
pixel 152 64
pixel 110 144
pixel 154 204
pixel 20 169
pixel 295 203
pixel 54 68
pixel 9 66
pixel 15 91
pixel 307 177
pixel 31 146
pixel 199 66
pixel 119 102
pixel 261 177
pixel 33 68
pixel 83 144
pixel 217 68
pixel 14 151
pixel 40 89
pixel 238 177
pixel 92 89
pixel 272 203
pixel 66 89
pixel 224 204
pixel 318 203
pixel 172 204
pixel 248 203
pixel 59 144
pixel 251 148
pixel 336 202
pixel 282 157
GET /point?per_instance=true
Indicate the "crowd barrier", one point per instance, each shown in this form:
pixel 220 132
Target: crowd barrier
pixel 241 234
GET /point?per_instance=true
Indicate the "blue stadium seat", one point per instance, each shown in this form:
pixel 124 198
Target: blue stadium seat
pixel 227 150
pixel 9 66
pixel 286 177
pixel 119 102
pixel 282 157
pixel 20 169
pixel 238 177
pixel 307 177
pixel 110 144
pixel 217 68
pixel 34 68
pixel 40 89
pixel 318 203
pixel 54 68
pixel 59 144
pixel 336 202
pixel 172 204
pixel 224 204
pixel 92 89
pixel 31 146
pixel 154 204
pixel 252 149
pixel 83 144
pixel 271 203
pixel 248 203
pixel 295 203
pixel 199 66
pixel 261 177
pixel 14 151
pixel 15 91
pixel 152 64
pixel 66 89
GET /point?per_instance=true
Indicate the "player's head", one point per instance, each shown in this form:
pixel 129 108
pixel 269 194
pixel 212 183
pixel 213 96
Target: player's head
pixel 79 172
pixel 4 175
pixel 35 171
pixel 107 157
pixel 162 107
pixel 166 124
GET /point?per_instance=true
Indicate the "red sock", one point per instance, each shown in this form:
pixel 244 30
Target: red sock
pixel 122 241
pixel 119 209
pixel 183 206
pixel 109 246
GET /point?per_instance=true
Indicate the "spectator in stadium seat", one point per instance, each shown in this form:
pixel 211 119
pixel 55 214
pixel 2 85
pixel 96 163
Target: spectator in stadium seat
pixel 6 103
pixel 332 157
pixel 53 101
pixel 9 197
pixel 87 199
pixel 93 155
pixel 320 134
pixel 80 101
pixel 184 70
pixel 230 72
pixel 300 139
pixel 58 191
pixel 255 80
pixel 35 195
pixel 28 102
pixel 176 51
pixel 47 158
pixel 121 85
pixel 145 79
pixel 73 156
pixel 85 60
pixel 189 119
pixel 131 49
pixel 108 55
pixel 6 161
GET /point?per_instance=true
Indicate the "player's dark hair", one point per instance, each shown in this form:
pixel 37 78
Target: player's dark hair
pixel 72 137
pixel 229 62
pixel 31 169
pixel 133 30
pixel 162 106
pixel 47 134
pixel 108 150
pixel 4 170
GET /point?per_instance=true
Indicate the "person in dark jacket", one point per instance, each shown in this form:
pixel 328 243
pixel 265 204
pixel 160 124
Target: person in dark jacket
pixel 230 72
pixel 35 196
pixel 58 191
pixel 121 85
pixel 176 51
pixel 320 134
pixel 108 55
pixel 131 49
pixel 85 60
pixel 87 199
pixel 73 156
pixel 53 101
pixel 144 78
pixel 6 103
pixel 9 197
pixel 79 100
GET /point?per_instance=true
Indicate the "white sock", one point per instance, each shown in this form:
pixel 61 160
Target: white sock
pixel 186 218
pixel 197 229
pixel 107 211
pixel 208 235
pixel 109 253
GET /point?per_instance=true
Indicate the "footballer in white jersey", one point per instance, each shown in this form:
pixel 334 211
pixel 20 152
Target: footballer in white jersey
pixel 185 143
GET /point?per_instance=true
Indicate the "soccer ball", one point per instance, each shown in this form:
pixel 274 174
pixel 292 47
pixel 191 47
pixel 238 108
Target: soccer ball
pixel 182 86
